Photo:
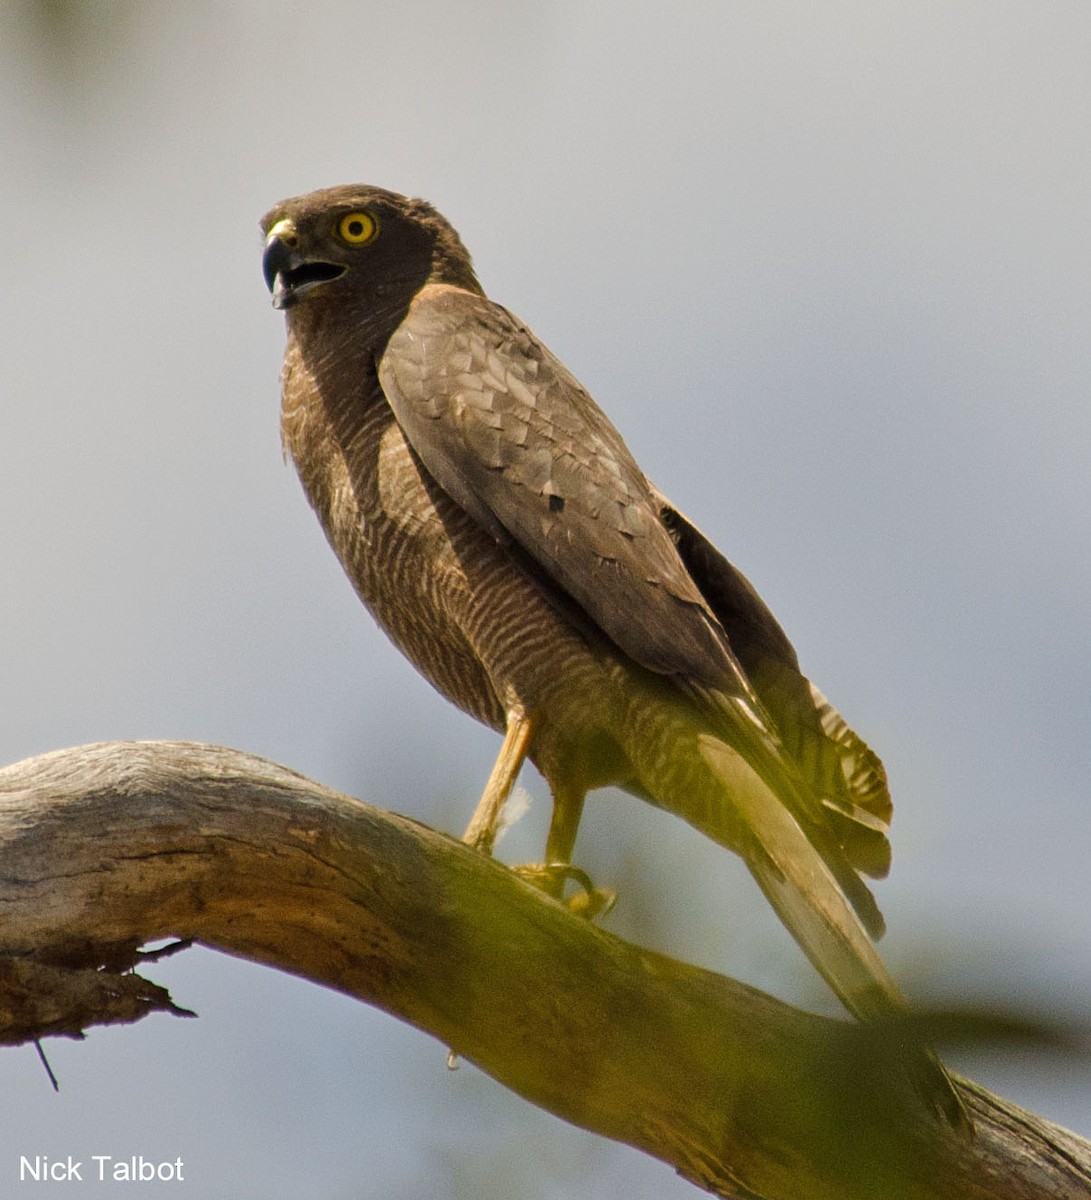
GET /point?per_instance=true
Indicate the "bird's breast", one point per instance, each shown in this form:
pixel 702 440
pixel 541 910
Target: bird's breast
pixel 481 629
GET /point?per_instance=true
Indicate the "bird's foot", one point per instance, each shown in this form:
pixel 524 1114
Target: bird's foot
pixel 587 901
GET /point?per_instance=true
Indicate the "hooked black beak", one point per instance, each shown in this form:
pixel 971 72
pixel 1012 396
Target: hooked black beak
pixel 288 274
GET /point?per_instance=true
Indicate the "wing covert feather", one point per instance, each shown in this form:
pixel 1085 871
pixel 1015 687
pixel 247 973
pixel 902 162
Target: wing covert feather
pixel 510 434
pixel 837 764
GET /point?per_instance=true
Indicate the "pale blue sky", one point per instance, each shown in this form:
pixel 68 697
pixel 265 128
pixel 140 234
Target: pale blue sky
pixel 828 267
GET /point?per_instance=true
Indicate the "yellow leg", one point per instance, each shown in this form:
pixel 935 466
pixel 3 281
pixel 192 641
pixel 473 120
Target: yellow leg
pixel 567 810
pixel 552 875
pixel 481 831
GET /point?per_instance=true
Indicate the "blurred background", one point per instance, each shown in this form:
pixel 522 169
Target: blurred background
pixel 827 266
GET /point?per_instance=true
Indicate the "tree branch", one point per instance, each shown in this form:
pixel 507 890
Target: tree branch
pixel 105 848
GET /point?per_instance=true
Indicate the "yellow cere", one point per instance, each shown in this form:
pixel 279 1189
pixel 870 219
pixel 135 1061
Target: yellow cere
pixel 356 228
pixel 283 231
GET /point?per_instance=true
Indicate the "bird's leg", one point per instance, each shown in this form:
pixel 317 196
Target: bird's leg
pixel 482 829
pixel 567 810
pixel 552 875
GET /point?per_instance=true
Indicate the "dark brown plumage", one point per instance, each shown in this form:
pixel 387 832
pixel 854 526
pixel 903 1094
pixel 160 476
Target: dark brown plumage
pixel 493 521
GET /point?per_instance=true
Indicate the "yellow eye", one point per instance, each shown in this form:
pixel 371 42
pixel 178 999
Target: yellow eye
pixel 356 228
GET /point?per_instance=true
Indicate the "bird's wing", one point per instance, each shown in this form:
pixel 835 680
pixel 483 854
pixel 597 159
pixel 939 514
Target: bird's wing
pixel 508 432
pixel 836 763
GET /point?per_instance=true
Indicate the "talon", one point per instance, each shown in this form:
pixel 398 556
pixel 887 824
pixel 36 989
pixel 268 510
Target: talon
pixel 588 902
pixel 551 877
pixel 592 902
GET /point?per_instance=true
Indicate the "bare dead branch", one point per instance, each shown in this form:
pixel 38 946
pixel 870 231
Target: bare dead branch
pixel 106 848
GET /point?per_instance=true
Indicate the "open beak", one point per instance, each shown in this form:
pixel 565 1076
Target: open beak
pixel 289 275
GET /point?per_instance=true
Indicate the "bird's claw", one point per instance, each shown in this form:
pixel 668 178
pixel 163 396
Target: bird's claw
pixel 588 901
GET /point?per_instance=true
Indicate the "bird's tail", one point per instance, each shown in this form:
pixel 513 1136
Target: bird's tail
pixel 806 896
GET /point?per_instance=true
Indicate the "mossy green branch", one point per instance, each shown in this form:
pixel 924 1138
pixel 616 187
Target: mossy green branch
pixel 106 848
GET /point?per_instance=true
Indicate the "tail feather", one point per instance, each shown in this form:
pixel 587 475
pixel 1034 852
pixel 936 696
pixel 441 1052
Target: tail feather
pixel 803 890
pixel 861 835
pixel 863 771
pixel 828 827
pixel 812 903
pixel 844 871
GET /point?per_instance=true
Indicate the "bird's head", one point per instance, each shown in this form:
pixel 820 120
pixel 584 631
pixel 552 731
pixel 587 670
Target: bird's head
pixel 358 245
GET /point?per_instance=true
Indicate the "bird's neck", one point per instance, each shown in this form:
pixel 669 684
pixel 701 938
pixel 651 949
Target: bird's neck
pixel 350 329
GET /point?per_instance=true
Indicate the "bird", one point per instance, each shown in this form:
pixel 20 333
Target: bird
pixel 494 522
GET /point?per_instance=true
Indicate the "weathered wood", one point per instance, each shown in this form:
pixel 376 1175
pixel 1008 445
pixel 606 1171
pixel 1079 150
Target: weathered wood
pixel 105 848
